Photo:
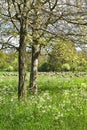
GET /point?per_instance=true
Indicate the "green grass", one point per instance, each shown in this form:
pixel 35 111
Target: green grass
pixel 61 104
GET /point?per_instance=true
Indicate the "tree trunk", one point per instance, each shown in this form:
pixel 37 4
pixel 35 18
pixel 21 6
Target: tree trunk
pixel 34 69
pixel 22 66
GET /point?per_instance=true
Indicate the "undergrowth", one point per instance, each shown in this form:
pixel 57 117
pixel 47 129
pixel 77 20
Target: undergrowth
pixel 61 104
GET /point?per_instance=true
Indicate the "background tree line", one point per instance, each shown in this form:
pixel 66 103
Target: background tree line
pixel 63 56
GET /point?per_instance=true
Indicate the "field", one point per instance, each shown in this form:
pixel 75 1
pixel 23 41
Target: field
pixel 61 103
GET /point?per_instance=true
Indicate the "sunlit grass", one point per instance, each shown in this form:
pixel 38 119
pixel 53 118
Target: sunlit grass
pixel 61 104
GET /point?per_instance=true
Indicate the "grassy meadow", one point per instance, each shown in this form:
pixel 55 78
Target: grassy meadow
pixel 61 103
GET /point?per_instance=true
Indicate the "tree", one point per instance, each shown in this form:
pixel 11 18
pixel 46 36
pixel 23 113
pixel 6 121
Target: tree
pixel 3 60
pixel 8 61
pixel 16 12
pixel 82 64
pixel 62 55
pixel 40 22
pixel 53 19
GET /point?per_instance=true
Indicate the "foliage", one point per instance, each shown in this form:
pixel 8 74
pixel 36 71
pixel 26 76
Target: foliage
pixel 77 61
pixel 64 56
pixel 66 67
pixel 8 61
pixel 82 64
pixel 10 68
pixel 44 67
pixel 60 104
pixel 41 19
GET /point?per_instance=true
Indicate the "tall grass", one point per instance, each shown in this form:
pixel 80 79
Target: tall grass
pixel 61 104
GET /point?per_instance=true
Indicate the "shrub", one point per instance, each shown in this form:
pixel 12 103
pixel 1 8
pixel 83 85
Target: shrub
pixel 9 69
pixel 66 67
pixel 44 67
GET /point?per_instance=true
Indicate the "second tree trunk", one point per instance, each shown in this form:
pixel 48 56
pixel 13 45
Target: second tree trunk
pixel 34 69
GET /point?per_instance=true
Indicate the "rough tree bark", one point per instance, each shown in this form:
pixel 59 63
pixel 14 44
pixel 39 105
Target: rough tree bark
pixel 22 70
pixel 34 69
pixel 22 63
